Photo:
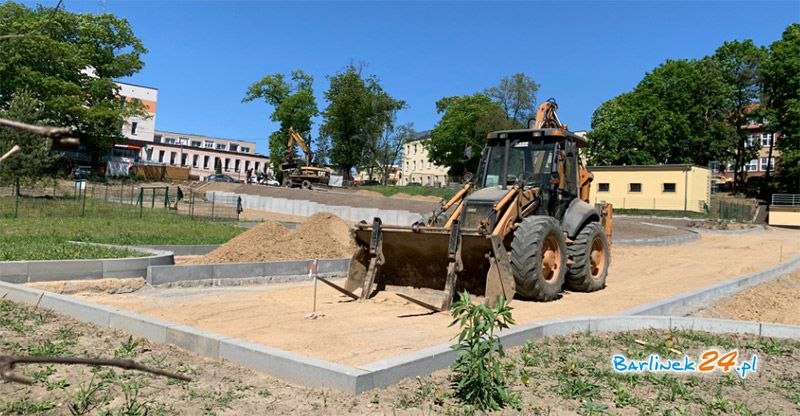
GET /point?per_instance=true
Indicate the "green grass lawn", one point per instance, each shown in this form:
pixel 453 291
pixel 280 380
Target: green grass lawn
pixel 44 226
pixel 445 193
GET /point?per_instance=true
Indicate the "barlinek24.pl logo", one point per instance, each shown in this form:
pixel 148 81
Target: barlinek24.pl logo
pixel 710 360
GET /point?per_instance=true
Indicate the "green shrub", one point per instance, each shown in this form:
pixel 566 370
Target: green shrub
pixel 479 379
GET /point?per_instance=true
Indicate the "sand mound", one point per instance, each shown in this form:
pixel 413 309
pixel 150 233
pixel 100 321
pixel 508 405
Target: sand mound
pixel 322 236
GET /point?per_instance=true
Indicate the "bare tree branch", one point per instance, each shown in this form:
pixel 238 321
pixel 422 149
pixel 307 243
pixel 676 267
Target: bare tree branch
pixel 51 132
pixel 7 363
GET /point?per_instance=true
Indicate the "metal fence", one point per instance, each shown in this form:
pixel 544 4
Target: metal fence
pixel 730 210
pixel 786 200
pixel 62 198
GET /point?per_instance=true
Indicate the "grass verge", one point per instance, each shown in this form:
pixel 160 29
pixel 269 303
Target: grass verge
pixel 43 228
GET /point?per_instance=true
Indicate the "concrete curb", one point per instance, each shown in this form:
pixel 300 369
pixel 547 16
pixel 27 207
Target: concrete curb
pixel 50 270
pixel 183 250
pixel 279 271
pixel 754 230
pixel 691 301
pixel 313 372
pixel 660 241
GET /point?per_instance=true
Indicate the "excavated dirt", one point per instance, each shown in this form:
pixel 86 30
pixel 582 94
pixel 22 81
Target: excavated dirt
pixel 109 286
pixel 357 333
pixel 774 301
pixel 321 236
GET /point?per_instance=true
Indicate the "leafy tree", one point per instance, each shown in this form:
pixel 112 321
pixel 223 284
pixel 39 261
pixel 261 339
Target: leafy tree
pixel 738 63
pixel 385 152
pixel 780 73
pixel 293 106
pixel 517 96
pixel 68 62
pixel 462 130
pixel 357 113
pixel 676 114
pixel 34 157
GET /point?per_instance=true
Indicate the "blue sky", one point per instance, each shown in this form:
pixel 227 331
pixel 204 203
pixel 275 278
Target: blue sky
pixel 203 55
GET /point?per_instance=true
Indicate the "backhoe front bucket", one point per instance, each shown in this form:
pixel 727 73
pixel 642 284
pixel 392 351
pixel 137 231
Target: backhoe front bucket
pixel 443 259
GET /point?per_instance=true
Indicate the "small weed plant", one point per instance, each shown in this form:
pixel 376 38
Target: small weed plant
pixel 479 378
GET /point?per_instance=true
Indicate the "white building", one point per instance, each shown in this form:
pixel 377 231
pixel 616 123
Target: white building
pixel 417 168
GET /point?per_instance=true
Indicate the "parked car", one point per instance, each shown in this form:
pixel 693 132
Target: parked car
pixel 79 172
pixel 221 178
pixel 272 182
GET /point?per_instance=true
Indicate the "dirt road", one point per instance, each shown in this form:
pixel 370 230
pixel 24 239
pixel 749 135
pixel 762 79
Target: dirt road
pixel 359 333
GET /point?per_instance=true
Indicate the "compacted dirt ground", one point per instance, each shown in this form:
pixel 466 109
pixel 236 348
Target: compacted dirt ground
pixel 774 301
pixel 357 333
pixel 558 375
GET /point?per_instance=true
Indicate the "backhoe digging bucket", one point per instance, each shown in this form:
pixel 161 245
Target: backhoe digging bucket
pixel 430 263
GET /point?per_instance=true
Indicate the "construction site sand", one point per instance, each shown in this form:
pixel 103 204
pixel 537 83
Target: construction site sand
pixel 774 301
pixel 357 333
pixel 320 236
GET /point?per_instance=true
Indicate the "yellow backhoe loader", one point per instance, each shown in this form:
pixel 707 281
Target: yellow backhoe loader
pixel 295 175
pixel 522 226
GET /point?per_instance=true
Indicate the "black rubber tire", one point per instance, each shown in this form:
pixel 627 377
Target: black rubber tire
pixel 306 184
pixel 579 275
pixel 526 258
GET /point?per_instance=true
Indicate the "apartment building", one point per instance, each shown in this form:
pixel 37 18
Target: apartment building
pixel 417 168
pixel 200 154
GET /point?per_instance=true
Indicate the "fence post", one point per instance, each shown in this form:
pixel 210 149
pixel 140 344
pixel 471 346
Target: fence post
pixel 153 201
pixel 166 198
pixel 131 193
pixel 141 202
pixel 191 206
pixel 121 192
pixel 16 203
pixel 213 200
pixel 83 204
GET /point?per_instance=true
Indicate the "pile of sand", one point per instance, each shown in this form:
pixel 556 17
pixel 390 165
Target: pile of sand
pixel 322 236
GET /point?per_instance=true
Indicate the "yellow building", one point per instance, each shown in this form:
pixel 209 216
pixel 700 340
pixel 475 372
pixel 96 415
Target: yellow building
pixel 653 187
pixel 417 168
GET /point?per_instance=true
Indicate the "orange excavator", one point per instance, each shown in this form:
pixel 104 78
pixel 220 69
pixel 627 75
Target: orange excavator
pixel 522 226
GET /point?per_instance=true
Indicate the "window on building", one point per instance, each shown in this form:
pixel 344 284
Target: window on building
pixel 766 139
pixel 244 149
pixel 184 158
pixel 414 165
pixel 172 156
pixel 236 165
pixel 205 162
pixel 429 164
pixel 161 156
pixel 668 187
pixel 634 187
pixel 246 165
pixel 169 140
pixel 233 147
pixel 220 146
pixel 183 141
pixel 157 139
pixel 227 164
pixel 415 149
pixel 194 160
pixel 256 166
pixel 134 125
pixel 751 166
pixel 209 144
pixel 603 187
pixel 768 162
pixel 196 143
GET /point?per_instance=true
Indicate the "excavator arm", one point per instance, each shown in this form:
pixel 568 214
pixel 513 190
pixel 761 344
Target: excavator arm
pixel 295 139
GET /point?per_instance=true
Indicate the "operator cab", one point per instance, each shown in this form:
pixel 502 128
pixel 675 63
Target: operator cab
pixel 530 158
